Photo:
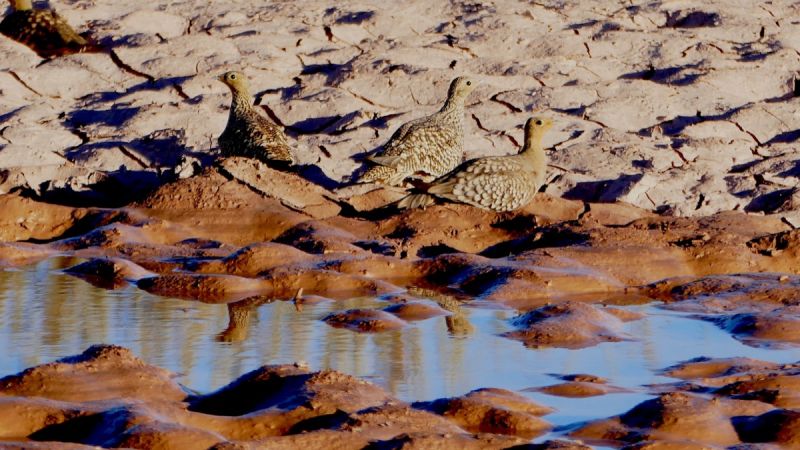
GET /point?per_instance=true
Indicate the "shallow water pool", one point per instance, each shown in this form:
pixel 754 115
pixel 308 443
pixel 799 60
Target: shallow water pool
pixel 46 314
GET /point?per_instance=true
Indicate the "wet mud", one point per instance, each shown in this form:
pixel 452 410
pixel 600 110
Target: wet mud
pixel 574 275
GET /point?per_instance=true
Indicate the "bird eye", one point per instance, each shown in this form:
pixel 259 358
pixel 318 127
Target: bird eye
pixel 469 83
pixel 538 122
pixel 232 76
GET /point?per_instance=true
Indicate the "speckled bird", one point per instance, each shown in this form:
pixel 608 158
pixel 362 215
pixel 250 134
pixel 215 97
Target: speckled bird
pixel 43 30
pixel 430 146
pixel 249 133
pixel 498 183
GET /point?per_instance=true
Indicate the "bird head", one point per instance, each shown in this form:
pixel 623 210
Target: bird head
pixel 535 128
pixel 234 80
pixel 461 87
pixel 537 125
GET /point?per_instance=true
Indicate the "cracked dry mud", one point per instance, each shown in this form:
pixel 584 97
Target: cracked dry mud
pixel 676 128
pixel 687 107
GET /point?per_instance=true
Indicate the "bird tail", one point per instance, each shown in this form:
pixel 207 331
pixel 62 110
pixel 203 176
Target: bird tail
pixel 415 201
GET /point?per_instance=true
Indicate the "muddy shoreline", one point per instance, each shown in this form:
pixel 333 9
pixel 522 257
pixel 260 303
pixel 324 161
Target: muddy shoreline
pixel 569 269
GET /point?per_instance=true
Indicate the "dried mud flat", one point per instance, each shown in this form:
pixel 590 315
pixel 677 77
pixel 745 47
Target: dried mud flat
pixel 688 106
pixel 684 108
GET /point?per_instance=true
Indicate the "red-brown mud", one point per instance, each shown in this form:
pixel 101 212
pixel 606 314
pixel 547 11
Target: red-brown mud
pixel 579 386
pixel 570 325
pixel 108 397
pixel 231 236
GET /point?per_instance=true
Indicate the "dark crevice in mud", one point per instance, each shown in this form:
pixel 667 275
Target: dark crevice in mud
pixel 127 68
pixel 432 251
pixel 287 92
pixel 587 208
pixel 772 244
pixel 181 93
pixel 508 105
pixel 451 42
pixel 479 124
pixel 700 200
pixel 675 147
pixel 23 83
pixel 80 134
pixel 543 238
pixel 749 133
pixel 79 428
pixel 271 114
pixel 511 139
pixel 134 156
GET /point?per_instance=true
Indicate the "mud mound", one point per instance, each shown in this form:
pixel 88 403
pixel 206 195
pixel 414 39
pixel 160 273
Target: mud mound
pixel 742 304
pixel 290 189
pixel 209 190
pixel 287 387
pixel 741 378
pixel 205 288
pixel 328 283
pixel 580 386
pixel 704 367
pixel 22 254
pixel 365 320
pixel 416 310
pixel 109 273
pixel 319 238
pixel 724 292
pixel 781 325
pixel 675 417
pixel 24 219
pixel 102 372
pixel 493 411
pixel 252 260
pixel 569 325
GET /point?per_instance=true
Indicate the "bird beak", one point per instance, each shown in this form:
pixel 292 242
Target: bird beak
pixel 221 77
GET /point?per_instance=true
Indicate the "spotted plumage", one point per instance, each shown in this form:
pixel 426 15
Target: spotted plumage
pixel 249 133
pixel 43 30
pixel 430 146
pixel 499 183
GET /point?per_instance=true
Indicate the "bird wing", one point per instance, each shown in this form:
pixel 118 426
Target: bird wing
pixel 409 136
pixel 270 136
pixel 492 182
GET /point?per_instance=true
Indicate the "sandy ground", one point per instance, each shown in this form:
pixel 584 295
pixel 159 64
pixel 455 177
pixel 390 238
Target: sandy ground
pixel 676 127
pixel 682 106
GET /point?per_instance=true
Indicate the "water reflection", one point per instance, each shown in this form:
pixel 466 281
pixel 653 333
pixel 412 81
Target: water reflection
pixel 239 314
pixel 45 315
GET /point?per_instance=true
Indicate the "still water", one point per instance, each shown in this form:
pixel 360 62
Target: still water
pixel 46 314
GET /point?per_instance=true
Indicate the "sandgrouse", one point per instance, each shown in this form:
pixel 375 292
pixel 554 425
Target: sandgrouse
pixel 248 133
pixel 499 183
pixel 43 30
pixel 430 146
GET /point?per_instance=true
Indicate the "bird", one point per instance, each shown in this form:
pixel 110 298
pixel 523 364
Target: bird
pixel 248 133
pixel 497 183
pixel 43 30
pixel 430 146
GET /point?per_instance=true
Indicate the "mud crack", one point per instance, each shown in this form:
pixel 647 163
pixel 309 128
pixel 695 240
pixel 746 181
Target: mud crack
pixel 127 68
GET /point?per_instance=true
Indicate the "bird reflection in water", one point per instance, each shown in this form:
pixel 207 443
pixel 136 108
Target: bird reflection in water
pixel 239 317
pixel 458 325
